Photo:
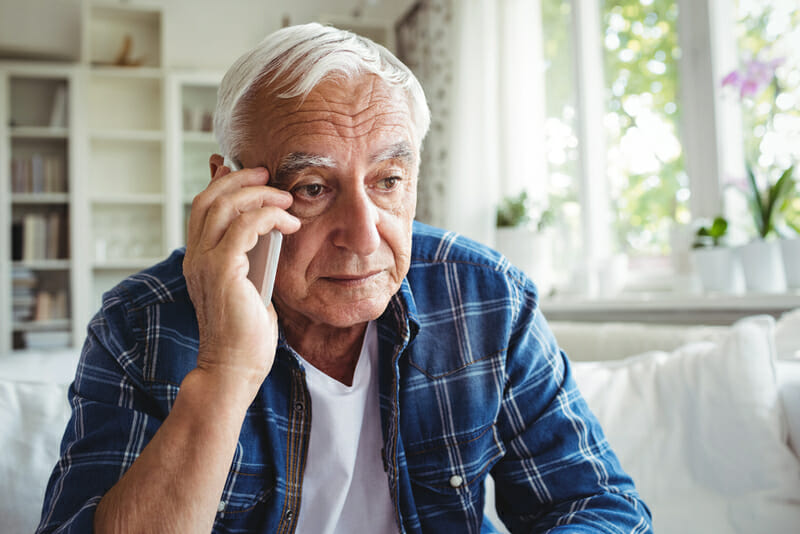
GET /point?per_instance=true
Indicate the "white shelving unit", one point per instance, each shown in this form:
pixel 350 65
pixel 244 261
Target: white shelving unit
pixel 126 157
pixel 191 97
pixel 39 274
pixel 133 143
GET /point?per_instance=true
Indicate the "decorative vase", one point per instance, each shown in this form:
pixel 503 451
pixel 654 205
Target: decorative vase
pixel 719 269
pixel 763 266
pixel 790 250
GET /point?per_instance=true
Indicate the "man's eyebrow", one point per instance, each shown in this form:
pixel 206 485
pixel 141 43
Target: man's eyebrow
pixel 295 162
pixel 401 150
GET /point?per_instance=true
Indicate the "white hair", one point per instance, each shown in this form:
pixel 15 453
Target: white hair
pixel 294 60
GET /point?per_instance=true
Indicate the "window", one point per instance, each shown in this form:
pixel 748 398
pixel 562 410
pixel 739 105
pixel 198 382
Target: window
pixel 632 105
pixel 669 152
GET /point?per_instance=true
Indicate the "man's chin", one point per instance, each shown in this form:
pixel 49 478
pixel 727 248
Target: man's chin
pixel 347 315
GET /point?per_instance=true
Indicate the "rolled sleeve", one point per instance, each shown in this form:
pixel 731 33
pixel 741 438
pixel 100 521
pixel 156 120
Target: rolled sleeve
pixel 112 420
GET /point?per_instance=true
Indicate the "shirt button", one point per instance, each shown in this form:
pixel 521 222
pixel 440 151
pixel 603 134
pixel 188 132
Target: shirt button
pixel 221 506
pixel 456 481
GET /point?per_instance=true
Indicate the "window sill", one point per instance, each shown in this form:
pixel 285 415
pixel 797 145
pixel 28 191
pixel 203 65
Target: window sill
pixel 671 308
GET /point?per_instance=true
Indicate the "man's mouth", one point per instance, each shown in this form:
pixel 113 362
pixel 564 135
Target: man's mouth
pixel 353 279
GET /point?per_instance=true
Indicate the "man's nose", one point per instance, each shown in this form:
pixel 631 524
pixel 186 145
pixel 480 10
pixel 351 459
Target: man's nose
pixel 358 224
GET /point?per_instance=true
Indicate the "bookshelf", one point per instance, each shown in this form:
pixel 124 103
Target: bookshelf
pixel 100 163
pixel 37 167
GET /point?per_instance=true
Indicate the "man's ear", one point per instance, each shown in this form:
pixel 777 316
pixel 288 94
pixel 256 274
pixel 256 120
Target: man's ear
pixel 214 163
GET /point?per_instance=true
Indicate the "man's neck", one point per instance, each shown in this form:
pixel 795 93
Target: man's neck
pixel 334 351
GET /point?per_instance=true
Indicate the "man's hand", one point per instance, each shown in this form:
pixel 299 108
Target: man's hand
pixel 176 482
pixel 238 334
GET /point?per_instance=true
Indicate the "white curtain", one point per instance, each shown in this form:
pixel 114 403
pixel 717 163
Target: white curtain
pixel 487 102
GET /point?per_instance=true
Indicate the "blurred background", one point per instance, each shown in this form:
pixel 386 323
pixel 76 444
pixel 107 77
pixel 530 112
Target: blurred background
pixel 635 157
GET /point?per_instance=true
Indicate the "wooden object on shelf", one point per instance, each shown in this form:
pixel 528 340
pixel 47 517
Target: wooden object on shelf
pixel 122 34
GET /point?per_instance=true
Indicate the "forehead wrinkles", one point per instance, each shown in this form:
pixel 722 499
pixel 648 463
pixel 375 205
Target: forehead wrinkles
pixel 318 120
pixel 347 110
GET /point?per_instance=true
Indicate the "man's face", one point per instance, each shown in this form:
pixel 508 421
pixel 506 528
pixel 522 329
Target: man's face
pixel 348 156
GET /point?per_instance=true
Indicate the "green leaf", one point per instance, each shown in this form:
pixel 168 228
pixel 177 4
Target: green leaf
pixel 711 235
pixel 718 227
pixel 755 203
pixel 775 196
pixel 513 211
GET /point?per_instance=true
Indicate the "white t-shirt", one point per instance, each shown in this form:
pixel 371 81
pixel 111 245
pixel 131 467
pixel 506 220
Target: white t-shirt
pixel 345 488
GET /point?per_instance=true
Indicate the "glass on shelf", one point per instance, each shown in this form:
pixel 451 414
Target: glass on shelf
pixel 126 233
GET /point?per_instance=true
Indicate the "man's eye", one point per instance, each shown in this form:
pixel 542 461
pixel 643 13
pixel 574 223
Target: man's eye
pixel 309 190
pixel 389 184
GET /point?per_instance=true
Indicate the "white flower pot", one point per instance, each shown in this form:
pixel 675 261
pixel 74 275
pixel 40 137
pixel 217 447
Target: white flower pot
pixel 529 250
pixel 790 250
pixel 763 266
pixel 719 269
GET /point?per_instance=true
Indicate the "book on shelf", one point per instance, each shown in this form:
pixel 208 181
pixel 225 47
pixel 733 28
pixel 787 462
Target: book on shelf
pixel 47 339
pixel 51 305
pixel 23 296
pixel 38 173
pixel 39 236
pixel 16 240
pixel 53 235
pixel 58 114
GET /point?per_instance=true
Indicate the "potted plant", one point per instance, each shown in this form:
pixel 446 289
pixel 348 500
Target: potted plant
pixel 527 245
pixel 762 258
pixel 790 238
pixel 718 267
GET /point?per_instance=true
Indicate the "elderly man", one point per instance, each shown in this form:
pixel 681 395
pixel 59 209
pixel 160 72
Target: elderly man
pixel 397 367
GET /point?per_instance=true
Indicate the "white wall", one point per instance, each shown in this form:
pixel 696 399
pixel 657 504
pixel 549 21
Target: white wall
pixel 40 29
pixel 199 33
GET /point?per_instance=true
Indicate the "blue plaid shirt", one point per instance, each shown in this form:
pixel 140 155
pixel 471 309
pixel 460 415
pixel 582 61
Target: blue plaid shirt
pixel 471 383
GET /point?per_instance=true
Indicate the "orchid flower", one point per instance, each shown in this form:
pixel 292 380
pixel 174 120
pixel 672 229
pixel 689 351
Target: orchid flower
pixel 754 78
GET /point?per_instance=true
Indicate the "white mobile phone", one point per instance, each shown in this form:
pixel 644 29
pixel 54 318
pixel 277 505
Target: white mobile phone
pixel 263 257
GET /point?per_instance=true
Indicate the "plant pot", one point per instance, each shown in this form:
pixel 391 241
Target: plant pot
pixel 529 250
pixel 790 250
pixel 719 269
pixel 763 266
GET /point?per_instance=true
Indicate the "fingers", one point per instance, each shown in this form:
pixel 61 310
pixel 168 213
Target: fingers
pixel 218 187
pixel 228 208
pixel 226 196
pixel 242 234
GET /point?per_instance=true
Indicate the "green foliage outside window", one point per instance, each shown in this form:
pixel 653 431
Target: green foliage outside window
pixel 649 187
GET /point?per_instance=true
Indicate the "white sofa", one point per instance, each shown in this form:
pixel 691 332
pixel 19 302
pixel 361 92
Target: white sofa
pixel 705 427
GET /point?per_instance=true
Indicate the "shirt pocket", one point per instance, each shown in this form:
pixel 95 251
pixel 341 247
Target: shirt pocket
pixel 448 474
pixel 246 490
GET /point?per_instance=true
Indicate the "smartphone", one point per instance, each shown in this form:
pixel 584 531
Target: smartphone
pixel 263 258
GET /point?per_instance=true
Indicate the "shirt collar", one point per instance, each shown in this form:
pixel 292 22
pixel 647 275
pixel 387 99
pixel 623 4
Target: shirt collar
pixel 398 323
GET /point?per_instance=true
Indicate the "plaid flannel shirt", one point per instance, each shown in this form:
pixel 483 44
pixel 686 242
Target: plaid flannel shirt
pixel 471 383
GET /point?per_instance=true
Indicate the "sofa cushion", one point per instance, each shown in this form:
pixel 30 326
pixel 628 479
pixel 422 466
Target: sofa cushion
pixel 33 416
pixel 702 432
pixel 585 341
